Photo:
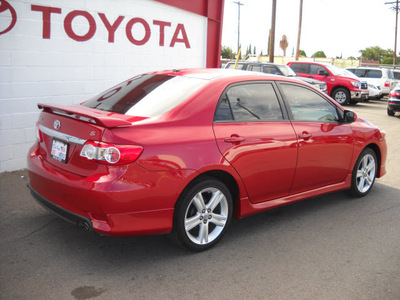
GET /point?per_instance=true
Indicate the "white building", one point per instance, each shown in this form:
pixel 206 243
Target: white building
pixel 63 52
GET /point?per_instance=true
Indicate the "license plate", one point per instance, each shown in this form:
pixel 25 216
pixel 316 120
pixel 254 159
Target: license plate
pixel 59 150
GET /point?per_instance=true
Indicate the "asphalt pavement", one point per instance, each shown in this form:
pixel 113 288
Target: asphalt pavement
pixel 328 247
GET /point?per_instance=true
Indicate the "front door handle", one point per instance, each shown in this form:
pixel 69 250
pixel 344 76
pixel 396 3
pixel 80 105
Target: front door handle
pixel 234 138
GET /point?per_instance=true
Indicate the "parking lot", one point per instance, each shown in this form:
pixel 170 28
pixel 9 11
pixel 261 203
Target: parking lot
pixel 327 247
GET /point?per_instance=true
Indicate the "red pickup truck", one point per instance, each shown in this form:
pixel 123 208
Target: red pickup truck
pixel 342 85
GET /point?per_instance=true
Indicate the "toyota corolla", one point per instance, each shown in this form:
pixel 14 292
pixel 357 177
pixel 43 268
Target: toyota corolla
pixel 182 152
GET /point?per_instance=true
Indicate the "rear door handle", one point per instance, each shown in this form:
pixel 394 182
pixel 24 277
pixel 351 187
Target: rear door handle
pixel 305 135
pixel 234 139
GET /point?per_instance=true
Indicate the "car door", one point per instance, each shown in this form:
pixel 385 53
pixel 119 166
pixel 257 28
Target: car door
pixel 255 136
pixel 325 143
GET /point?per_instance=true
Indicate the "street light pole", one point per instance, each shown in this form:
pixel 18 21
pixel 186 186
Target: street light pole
pixel 239 5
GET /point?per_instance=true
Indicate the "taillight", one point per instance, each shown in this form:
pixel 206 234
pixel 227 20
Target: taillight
pixel 394 94
pixel 387 84
pixel 110 154
pixel 38 134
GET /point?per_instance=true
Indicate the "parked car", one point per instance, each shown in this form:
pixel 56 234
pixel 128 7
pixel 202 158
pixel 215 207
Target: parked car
pixel 380 77
pixel 374 91
pixel 396 75
pixel 184 151
pixel 276 69
pixel 394 101
pixel 342 88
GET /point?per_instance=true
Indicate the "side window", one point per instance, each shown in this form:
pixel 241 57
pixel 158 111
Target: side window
pixel 238 67
pixel 315 68
pixel 358 72
pixel 307 105
pixel 374 74
pixel 300 68
pixel 249 102
pixel 255 68
pixel 271 70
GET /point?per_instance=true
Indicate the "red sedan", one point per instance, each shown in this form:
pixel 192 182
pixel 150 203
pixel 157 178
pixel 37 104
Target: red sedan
pixel 184 151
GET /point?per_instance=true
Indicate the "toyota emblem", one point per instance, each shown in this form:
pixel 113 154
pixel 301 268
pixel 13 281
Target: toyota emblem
pixel 57 125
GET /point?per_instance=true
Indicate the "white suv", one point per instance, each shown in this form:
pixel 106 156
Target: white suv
pixel 380 77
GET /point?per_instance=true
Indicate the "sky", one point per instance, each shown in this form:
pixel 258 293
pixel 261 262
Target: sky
pixel 337 27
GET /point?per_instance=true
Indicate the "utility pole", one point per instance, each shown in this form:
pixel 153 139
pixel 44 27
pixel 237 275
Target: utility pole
pixel 239 4
pixel 395 30
pixel 272 34
pixel 299 33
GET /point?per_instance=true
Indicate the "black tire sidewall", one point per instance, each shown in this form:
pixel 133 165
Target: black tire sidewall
pixel 354 190
pixel 182 205
pixel 347 93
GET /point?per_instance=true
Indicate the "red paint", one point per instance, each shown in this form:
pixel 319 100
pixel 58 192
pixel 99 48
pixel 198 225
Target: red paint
pixel 46 17
pixel 272 163
pixel 111 28
pixel 180 36
pixel 146 27
pixel 68 25
pixel 162 25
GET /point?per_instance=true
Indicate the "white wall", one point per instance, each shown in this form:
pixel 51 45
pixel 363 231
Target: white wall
pixel 36 66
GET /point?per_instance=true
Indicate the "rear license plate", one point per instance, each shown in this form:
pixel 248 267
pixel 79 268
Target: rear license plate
pixel 59 150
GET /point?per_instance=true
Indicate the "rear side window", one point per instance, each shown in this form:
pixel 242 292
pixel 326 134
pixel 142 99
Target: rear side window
pixel 146 95
pixel 249 102
pixel 300 68
pixel 396 75
pixel 374 74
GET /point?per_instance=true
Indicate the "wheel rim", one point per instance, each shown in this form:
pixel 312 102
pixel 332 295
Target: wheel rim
pixel 340 97
pixel 206 216
pixel 366 173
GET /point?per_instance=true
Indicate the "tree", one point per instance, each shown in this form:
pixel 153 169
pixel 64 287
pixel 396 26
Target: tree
pixel 352 58
pixel 319 54
pixel 226 52
pixel 284 44
pixel 302 53
pixel 376 53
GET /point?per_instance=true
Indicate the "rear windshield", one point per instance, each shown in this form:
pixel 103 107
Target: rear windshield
pixel 146 95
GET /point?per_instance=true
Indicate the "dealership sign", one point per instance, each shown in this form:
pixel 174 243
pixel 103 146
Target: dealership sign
pixel 137 24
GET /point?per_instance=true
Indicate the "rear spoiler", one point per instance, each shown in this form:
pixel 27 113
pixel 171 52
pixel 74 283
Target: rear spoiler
pixel 89 115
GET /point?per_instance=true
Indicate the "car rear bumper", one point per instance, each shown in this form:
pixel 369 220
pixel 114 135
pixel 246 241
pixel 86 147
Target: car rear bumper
pixel 118 203
pixel 394 105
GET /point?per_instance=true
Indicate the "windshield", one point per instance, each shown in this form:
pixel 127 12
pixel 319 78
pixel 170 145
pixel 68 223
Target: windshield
pixel 146 95
pixel 341 72
pixel 286 70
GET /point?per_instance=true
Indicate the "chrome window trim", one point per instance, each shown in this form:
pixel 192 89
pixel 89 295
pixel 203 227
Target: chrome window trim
pixel 62 136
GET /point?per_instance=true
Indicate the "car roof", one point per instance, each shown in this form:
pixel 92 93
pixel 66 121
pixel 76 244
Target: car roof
pixel 212 74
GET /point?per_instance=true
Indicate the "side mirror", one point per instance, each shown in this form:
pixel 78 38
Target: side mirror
pixel 349 116
pixel 323 73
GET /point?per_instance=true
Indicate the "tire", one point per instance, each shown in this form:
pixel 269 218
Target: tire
pixel 364 173
pixel 341 96
pixel 202 214
pixel 390 112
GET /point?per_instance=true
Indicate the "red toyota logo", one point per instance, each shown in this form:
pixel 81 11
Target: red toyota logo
pixel 4 7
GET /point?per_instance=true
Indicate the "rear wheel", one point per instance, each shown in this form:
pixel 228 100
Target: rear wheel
pixel 341 96
pixel 364 173
pixel 202 214
pixel 390 112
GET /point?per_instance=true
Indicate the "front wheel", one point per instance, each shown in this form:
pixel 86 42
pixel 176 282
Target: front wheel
pixel 202 214
pixel 364 173
pixel 341 96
